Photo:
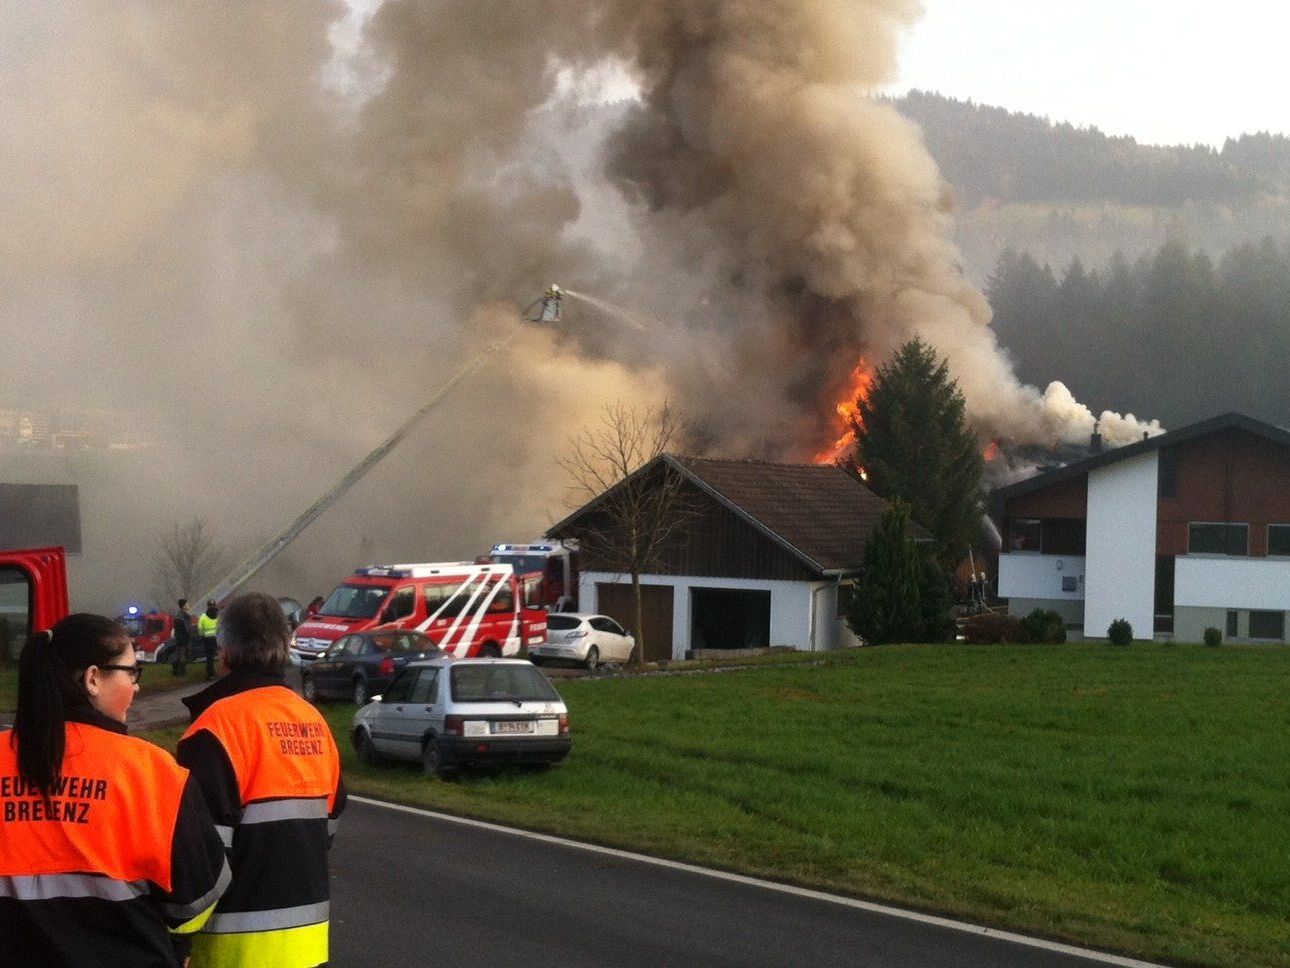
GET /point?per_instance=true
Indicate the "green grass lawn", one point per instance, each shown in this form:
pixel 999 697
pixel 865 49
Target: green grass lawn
pixel 1135 799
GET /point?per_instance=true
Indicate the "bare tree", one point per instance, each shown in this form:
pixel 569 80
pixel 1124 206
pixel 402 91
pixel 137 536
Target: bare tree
pixel 631 515
pixel 188 559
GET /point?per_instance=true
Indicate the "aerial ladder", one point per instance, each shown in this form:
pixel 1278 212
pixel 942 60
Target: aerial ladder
pixel 544 310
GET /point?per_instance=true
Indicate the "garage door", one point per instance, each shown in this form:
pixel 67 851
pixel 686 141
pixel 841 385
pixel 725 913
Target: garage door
pixel 656 615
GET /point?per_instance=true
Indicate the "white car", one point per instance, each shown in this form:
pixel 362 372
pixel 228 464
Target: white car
pixel 451 713
pixel 586 639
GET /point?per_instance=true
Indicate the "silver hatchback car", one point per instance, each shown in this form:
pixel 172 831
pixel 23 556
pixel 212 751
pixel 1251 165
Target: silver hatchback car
pixel 449 713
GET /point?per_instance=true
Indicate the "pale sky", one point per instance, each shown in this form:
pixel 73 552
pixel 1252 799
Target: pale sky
pixel 1164 72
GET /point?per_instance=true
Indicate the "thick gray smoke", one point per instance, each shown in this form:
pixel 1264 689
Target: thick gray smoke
pixel 264 231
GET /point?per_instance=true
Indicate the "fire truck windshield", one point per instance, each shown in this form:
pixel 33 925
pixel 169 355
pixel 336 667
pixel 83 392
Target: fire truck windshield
pixel 354 601
pixel 523 564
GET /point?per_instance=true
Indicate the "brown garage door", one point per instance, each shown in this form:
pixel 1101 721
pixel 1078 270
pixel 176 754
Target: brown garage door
pixel 656 615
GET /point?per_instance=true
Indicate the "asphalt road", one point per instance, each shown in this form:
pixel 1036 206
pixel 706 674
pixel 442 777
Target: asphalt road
pixel 412 890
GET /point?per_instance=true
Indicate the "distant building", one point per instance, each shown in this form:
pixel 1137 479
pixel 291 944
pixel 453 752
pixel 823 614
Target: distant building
pixel 1180 532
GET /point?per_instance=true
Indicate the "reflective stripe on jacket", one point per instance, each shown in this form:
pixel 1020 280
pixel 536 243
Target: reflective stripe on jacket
pixel 119 856
pixel 270 771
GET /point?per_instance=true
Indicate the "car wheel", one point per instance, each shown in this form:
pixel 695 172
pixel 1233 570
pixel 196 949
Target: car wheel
pixel 432 760
pixel 367 751
pixel 360 692
pixel 163 654
pixel 490 650
pixel 308 689
pixel 593 658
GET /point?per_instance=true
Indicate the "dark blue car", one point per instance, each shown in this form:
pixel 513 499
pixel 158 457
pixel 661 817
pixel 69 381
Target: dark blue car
pixel 361 665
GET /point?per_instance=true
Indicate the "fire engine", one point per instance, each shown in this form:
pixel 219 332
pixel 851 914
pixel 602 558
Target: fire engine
pixel 466 609
pixel 557 561
pixel 151 633
pixel 33 593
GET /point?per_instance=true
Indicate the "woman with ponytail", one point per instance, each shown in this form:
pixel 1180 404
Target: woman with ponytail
pixel 107 852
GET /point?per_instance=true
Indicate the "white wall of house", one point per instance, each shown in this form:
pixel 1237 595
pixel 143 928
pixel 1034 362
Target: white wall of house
pixel 1120 551
pixel 1224 582
pixel 790 607
pixel 1032 575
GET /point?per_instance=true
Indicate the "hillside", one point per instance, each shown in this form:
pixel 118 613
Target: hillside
pixel 1059 192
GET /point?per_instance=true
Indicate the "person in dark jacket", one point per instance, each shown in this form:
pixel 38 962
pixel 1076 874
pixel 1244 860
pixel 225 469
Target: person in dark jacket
pixel 270 771
pixel 183 639
pixel 107 849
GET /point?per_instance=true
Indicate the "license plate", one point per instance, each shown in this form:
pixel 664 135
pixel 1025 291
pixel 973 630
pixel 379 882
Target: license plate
pixel 513 726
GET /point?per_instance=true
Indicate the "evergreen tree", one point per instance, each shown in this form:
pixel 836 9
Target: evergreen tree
pixel 887 604
pixel 913 444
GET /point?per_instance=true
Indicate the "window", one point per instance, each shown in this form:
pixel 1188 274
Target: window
pixel 451 598
pixel 354 601
pixel 355 645
pixel 402 686
pixel 339 647
pixel 1070 583
pixel 1218 539
pixel 511 682
pixel 402 604
pixel 1279 539
pixel 1233 624
pixel 425 690
pixel 1268 625
pixel 504 600
pixel 1025 534
pixel 560 623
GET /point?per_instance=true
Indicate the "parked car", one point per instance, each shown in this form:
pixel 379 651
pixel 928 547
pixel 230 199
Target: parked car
pixel 586 639
pixel 362 664
pixel 449 713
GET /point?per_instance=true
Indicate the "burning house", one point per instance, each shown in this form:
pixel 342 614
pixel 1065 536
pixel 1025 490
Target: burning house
pixel 1175 533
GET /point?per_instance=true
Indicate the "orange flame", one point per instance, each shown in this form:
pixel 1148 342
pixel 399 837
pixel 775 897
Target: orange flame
pixel 991 451
pixel 858 388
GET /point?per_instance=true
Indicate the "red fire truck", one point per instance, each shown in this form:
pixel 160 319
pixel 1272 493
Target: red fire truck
pixel 466 609
pixel 557 561
pixel 151 633
pixel 33 594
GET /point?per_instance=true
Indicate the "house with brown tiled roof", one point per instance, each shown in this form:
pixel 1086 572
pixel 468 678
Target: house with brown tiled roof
pixel 766 555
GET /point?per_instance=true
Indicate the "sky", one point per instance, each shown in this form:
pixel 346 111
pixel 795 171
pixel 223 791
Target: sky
pixel 1164 72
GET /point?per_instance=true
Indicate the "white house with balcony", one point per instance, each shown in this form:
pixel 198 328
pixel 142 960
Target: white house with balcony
pixel 1175 533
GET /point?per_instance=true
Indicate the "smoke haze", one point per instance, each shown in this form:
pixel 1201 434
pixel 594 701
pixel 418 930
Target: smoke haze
pixel 267 230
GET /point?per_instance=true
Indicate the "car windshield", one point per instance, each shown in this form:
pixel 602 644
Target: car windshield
pixel 490 683
pixel 354 601
pixel 522 563
pixel 558 622
pixel 405 642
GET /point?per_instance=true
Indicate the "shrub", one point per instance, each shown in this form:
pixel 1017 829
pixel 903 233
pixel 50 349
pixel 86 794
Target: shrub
pixel 991 629
pixel 1120 632
pixel 1044 626
pixel 1213 637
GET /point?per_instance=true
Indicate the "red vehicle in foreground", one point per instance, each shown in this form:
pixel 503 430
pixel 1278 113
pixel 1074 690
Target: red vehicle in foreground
pixel 33 593
pixel 466 609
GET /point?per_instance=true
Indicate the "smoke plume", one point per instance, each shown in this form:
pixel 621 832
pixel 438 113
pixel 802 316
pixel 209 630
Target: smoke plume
pixel 261 233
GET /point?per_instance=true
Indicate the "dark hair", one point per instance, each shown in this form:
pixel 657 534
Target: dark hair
pixel 50 685
pixel 182 602
pixel 253 634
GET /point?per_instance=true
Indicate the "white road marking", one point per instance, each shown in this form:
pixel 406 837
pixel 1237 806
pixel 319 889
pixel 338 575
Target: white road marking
pixel 1021 939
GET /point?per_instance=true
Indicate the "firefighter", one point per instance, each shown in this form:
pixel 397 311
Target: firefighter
pixel 207 627
pixel 183 638
pixel 107 850
pixel 270 772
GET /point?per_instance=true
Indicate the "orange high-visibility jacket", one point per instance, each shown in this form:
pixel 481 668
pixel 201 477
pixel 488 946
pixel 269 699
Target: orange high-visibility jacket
pixel 270 771
pixel 121 853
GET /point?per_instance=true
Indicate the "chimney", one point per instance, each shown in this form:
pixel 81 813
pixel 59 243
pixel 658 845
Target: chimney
pixel 1095 441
